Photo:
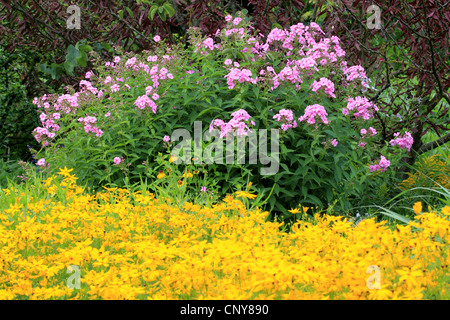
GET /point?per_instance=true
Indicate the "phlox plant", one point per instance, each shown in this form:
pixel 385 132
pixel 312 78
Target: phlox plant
pixel 296 81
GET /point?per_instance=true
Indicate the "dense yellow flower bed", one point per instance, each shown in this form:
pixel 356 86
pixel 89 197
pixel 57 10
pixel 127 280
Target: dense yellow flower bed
pixel 137 247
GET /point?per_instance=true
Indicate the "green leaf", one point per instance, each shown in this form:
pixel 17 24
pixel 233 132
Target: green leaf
pixel 329 194
pixel 107 47
pixel 44 68
pixel 169 9
pixel 208 110
pixel 314 200
pixel 130 12
pixel 256 92
pixel 83 47
pixel 276 25
pixel 83 59
pixel 285 167
pixel 394 215
pixel 72 53
pixel 71 59
pixel 162 14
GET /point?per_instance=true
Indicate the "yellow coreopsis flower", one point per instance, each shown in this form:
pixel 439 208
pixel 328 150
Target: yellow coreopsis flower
pixel 79 190
pixel 188 174
pixel 172 159
pixel 446 210
pixel 294 211
pixel 160 175
pixel 417 207
pixel 245 194
pixel 48 181
pixel 228 198
pixel 51 189
pixel 305 209
pixel 64 172
pixel 14 208
pixel 70 178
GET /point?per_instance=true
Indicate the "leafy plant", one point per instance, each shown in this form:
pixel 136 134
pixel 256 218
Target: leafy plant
pixel 125 116
pixel 76 56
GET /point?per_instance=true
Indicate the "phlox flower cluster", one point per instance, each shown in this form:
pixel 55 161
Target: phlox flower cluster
pixel 157 71
pixel 233 26
pixel 238 124
pixel 153 58
pixel 362 106
pixel 313 111
pixel 355 72
pixel 311 54
pixel 113 82
pixel 305 44
pixel 288 73
pixel 240 75
pixel 87 85
pixel 41 135
pixel 48 123
pixel 115 88
pixel 89 74
pixel 238 31
pixel 41 162
pixel 372 131
pixel 89 127
pixel 332 142
pixel 205 45
pixel 382 165
pixel 67 102
pixel 300 39
pixel 143 101
pixel 325 83
pixel 286 117
pixel 117 160
pixel 277 35
pixel 404 142
pixel 48 117
pixel 307 63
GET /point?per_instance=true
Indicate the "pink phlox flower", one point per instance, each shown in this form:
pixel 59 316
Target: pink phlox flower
pixel 142 101
pixel 404 142
pixel 286 117
pixel 363 107
pixel 325 83
pixel 312 111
